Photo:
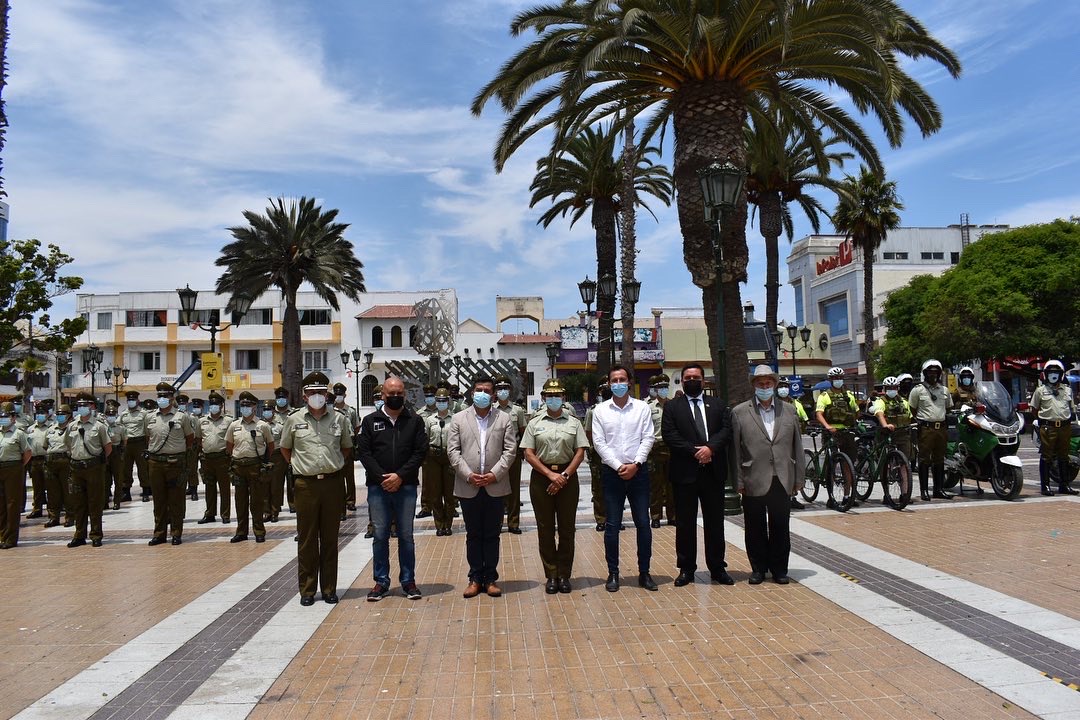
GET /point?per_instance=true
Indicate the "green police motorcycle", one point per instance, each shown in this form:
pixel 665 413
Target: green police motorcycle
pixel 983 445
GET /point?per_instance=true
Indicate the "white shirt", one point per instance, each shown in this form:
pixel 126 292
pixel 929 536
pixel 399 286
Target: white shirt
pixel 482 424
pixel 768 416
pixel 623 435
pixel 697 405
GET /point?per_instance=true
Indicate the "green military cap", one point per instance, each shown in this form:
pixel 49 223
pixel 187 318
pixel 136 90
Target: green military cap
pixel 198 402
pixel 784 381
pixel 654 380
pixel 442 393
pixel 149 404
pixel 182 398
pixel 377 390
pixel 7 408
pixel 132 395
pixel 340 389
pixel 164 387
pixel 443 384
pixel 663 379
pixel 429 389
pixel 111 403
pixel 64 409
pixel 501 380
pixel 217 397
pixel 316 381
pixel 247 397
pixel 552 387
pixel 281 392
pixel 84 397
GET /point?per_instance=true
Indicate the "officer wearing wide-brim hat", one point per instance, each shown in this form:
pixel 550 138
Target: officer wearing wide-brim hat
pixel 169 434
pixel 317 443
pixel 134 418
pixel 661 496
pixel 249 443
pixel 15 453
pixel 89 445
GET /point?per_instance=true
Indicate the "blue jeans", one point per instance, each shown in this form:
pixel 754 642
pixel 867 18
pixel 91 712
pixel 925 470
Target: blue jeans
pixel 400 507
pixel 616 492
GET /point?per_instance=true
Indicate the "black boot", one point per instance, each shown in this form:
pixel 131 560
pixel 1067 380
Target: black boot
pixel 939 483
pixel 924 484
pixel 1063 478
pixel 1044 478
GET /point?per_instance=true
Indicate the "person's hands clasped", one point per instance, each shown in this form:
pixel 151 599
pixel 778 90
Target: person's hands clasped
pixel 557 482
pixel 627 471
pixel 703 454
pixel 481 479
pixel 391 482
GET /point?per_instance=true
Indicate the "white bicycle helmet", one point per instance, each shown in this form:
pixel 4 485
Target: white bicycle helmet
pixel 836 372
pixel 890 382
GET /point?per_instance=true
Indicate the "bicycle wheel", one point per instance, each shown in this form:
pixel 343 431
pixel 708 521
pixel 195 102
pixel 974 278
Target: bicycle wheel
pixel 864 484
pixel 897 483
pixel 813 477
pixel 840 481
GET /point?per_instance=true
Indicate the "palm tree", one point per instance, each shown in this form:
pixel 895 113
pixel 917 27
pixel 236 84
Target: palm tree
pixel 782 161
pixel 704 66
pixel 869 207
pixel 292 244
pixel 588 175
pixel 4 8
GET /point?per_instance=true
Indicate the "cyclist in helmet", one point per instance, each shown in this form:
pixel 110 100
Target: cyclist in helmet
pixel 906 384
pixel 965 387
pixel 837 409
pixel 894 413
pixel 929 402
pixel 1053 402
pixel 783 391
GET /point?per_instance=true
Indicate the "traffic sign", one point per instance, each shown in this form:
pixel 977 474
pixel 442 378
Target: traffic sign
pixel 212 371
pixel 796 386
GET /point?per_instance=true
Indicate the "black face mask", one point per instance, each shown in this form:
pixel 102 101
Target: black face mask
pixel 692 387
pixel 395 402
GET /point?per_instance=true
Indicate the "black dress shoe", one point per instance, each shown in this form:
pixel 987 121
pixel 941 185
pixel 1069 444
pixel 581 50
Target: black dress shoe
pixel 942 495
pixel 156 541
pixel 564 585
pixel 796 505
pixel 127 497
pixel 515 531
pixel 238 538
pixel 95 543
pixel 723 578
pixel 685 578
pixel 77 542
pixel 225 519
pixel 260 538
pixel 645 580
pixel 204 519
pixel 756 578
pixel 423 514
pixel 1066 490
pixel 331 599
pixel 351 507
pixel 34 514
pixel 924 496
pixel 551 586
pixel 369 534
pixel 69 523
pixel 116 506
pixel 781 579
pixel 307 600
pixel 656 523
pixel 599 527
pixel 146 498
pixel 176 540
pixel 612 584
pixel 52 523
pixel 1047 492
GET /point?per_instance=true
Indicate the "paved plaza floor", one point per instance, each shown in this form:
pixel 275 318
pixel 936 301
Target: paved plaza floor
pixel 962 609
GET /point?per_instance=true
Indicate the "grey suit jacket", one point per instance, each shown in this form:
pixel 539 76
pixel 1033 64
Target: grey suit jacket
pixel 463 451
pixel 758 459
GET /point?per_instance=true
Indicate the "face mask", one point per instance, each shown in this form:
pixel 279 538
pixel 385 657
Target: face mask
pixel 215 409
pixel 197 411
pixel 652 392
pixel 132 404
pixel 481 399
pixel 18 407
pixel 692 387
pixel 441 405
pixel 61 419
pixel 502 394
pixel 182 407
pixel 41 418
pixel 620 389
pixel 395 402
pixel 5 422
pixel 890 394
pixel 663 393
pixel 316 401
pixel 553 403
pixel 838 384
pixel 429 400
pixel 966 381
pixel 782 392
pixel 246 410
pixel 1053 378
pixel 281 402
pixel 83 411
pixel 267 414
pixel 379 404
pixel 164 402
pixel 763 393
pixel 111 419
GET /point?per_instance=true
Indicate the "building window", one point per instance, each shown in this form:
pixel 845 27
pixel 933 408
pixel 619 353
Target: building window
pixel 954 258
pixel 205 317
pixel 367 390
pixel 255 316
pixel 834 313
pixel 797 289
pixel 933 256
pixel 104 321
pixel 147 318
pixel 315 360
pixel 150 361
pixel 894 256
pixel 315 317
pixel 376 336
pixel 395 336
pixel 412 336
pixel 247 359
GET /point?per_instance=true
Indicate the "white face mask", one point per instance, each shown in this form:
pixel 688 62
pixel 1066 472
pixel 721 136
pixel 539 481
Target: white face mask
pixel 891 393
pixel 316 401
pixel 782 392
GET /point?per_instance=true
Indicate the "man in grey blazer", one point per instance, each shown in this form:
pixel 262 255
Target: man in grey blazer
pixel 769 463
pixel 480 446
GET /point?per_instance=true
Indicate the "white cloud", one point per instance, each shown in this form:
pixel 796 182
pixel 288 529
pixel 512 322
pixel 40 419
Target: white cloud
pixel 1041 211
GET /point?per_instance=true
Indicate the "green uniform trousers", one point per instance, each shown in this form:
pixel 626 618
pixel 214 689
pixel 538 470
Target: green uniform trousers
pixel 252 483
pixel 348 474
pixel 430 486
pixel 318 520
pixel 191 470
pixel 1054 441
pixel 11 501
pixel 135 460
pixel 597 487
pixel 439 485
pixel 278 485
pixel 56 488
pixel 661 496
pixel 932 444
pixel 513 500
pixel 37 482
pixel 216 478
pixel 114 475
pixel 170 501
pixel 555 513
pixel 87 493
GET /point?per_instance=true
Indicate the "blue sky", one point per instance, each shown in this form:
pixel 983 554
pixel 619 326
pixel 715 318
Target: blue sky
pixel 141 130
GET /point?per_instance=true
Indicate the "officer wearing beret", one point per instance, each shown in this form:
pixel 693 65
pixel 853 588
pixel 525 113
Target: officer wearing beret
pixel 169 434
pixel 519 421
pixel 15 453
pixel 36 434
pixel 134 418
pixel 340 391
pixel 211 432
pixel 249 443
pixel 317 442
pixel 89 446
pixel 661 496
pixel 58 469
pixel 114 465
pixel 438 475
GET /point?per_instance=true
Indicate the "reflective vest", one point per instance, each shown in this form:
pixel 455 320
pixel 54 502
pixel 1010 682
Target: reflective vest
pixel 838 411
pixel 897 411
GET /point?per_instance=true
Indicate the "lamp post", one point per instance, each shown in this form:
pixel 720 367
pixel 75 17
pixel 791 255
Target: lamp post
pixel 792 332
pixel 552 356
pixel 118 376
pixel 722 187
pixel 93 356
pixel 240 301
pixel 356 356
pixel 606 288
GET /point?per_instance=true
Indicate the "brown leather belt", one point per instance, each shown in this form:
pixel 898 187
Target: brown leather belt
pixel 83 464
pixel 320 476
pixel 246 461
pixel 166 458
pixel 931 425
pixel 1054 423
pixel 10 463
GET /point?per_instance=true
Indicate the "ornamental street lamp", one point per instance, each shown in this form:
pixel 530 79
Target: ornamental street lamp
pixel 240 301
pixel 118 376
pixel 792 332
pixel 93 357
pixel 356 354
pixel 552 356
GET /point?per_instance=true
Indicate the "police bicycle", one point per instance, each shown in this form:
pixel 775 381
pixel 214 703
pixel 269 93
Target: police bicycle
pixel 880 460
pixel 831 467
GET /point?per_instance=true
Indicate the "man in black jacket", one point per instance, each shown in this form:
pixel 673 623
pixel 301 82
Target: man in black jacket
pixel 391 446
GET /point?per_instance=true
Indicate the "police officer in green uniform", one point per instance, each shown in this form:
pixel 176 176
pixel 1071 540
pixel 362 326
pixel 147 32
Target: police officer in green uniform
pixel 275 473
pixel 661 496
pixel 1053 402
pixel 134 418
pixel 193 473
pixel 89 446
pixel 211 434
pixel 340 391
pixel 929 401
pixel 836 411
pixel 58 470
pixel 249 443
pixel 427 490
pixel 114 464
pixel 894 414
pixel 438 475
pixel 36 433
pixel 169 434
pixel 596 486
pixel 783 391
pixel 554 445
pixel 15 453
pixel 519 421
pixel 965 387
pixel 281 414
pixel 317 442
pixel 369 533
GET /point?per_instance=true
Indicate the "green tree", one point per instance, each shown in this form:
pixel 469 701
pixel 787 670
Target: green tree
pixel 704 67
pixel 868 209
pixel 30 281
pixel 588 176
pixel 905 345
pixel 294 243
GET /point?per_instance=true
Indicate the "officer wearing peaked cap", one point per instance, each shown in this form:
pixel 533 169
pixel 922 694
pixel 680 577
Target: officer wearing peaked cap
pixel 114 465
pixel 661 496
pixel 211 435
pixel 281 481
pixel 15 453
pixel 89 446
pixel 57 469
pixel 438 475
pixel 518 419
pixel 340 391
pixel 249 442
pixel 134 418
pixel 169 434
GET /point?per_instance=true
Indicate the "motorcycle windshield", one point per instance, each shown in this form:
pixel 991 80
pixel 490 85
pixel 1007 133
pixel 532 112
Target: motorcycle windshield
pixel 996 398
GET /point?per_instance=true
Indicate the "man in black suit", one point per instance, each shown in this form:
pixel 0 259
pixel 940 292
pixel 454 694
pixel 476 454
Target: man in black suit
pixel 697 430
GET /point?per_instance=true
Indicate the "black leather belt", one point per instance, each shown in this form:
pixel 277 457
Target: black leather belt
pixel 1054 423
pixel 932 425
pixel 557 467
pixel 166 457
pixel 242 462
pixel 58 457
pixel 320 476
pixel 83 464
pixel 10 463
pixel 213 455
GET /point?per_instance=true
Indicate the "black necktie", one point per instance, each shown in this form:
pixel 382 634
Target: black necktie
pixel 699 419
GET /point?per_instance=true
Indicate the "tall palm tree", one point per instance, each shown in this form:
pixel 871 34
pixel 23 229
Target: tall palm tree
pixel 703 66
pixel 4 8
pixel 628 241
pixel 294 243
pixel 588 175
pixel 869 207
pixel 782 162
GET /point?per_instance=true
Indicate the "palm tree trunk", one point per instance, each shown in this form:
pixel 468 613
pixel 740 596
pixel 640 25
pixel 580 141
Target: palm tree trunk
pixel 3 80
pixel 603 221
pixel 628 249
pixel 292 353
pixel 770 224
pixel 868 317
